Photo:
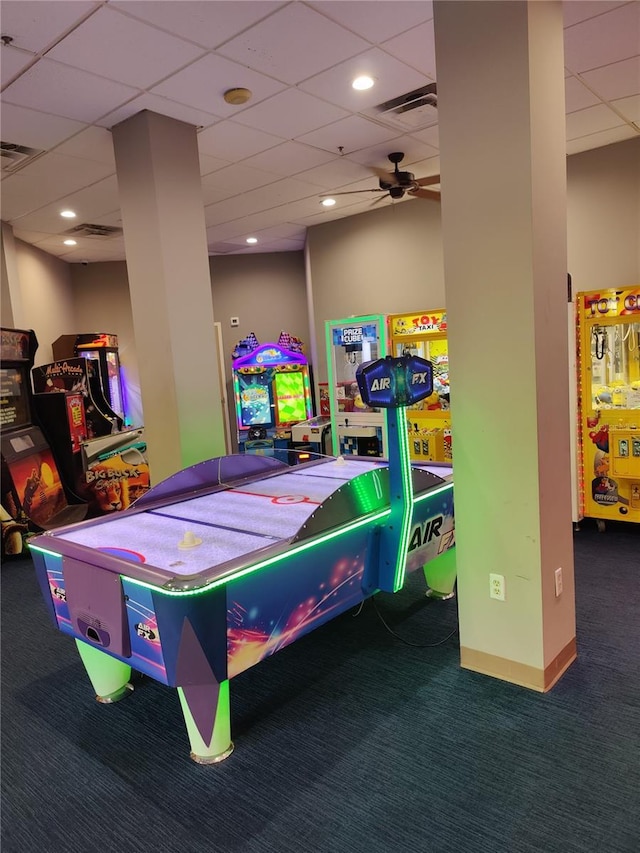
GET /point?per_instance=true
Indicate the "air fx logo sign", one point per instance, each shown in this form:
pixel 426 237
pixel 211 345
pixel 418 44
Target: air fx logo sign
pixel 391 382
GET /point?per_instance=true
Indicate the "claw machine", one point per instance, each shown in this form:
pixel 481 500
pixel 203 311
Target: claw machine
pixel 356 429
pixel 608 336
pixel 428 421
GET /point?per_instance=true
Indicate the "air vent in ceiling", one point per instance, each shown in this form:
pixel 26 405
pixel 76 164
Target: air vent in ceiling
pixel 87 229
pixel 16 156
pixel 413 111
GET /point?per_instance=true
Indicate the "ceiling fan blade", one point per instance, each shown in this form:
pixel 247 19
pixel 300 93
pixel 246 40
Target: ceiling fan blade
pixel 384 175
pixel 434 195
pixel 427 182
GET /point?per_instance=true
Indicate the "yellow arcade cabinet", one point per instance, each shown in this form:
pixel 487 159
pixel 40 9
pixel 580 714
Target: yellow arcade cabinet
pixel 608 340
pixel 425 334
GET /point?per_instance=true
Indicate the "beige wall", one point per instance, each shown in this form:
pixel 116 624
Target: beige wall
pixel 46 295
pixel 603 216
pixel 101 297
pixel 382 262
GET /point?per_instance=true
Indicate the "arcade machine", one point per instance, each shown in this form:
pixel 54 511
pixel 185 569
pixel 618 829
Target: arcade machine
pixel 102 348
pixel 608 336
pixel 100 460
pixel 272 393
pixel 33 495
pixel 428 421
pixel 356 428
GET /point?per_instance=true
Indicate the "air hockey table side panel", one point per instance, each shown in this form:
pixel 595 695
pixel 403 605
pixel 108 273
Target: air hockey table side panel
pixel 273 607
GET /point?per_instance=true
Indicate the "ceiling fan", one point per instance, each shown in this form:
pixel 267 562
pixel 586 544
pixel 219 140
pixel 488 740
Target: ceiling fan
pixel 395 184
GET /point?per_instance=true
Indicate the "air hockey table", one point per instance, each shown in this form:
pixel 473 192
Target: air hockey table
pixel 226 563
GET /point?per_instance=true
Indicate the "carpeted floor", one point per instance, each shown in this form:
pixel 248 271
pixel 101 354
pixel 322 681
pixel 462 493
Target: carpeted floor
pixel 349 740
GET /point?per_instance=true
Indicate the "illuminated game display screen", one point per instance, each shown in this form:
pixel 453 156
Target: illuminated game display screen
pixel 290 399
pixel 13 395
pixel 255 400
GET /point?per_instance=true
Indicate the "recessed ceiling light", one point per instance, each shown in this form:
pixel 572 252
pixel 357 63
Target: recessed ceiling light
pixel 362 82
pixel 328 202
pixel 68 214
pixel 70 243
pixel 252 239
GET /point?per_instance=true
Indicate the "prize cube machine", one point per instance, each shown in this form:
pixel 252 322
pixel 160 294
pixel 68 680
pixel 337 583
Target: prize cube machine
pixel 356 428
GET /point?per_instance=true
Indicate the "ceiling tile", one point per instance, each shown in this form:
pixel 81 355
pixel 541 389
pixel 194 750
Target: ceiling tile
pixel 601 138
pixel 32 128
pixel 93 143
pixel 416 48
pixel 591 120
pixel 628 107
pixel 617 80
pixel 378 155
pixel 268 46
pixel 207 23
pixel 156 104
pixel 289 158
pixel 382 20
pixel 393 78
pixel 37 24
pixel 75 171
pixel 290 113
pixel 13 61
pixel 577 96
pixel 349 133
pixel 430 136
pixel 90 205
pixel 234 142
pixel 575 11
pixel 210 164
pixel 336 174
pixel 144 54
pixel 602 40
pixel 239 178
pixel 63 91
pixel 202 85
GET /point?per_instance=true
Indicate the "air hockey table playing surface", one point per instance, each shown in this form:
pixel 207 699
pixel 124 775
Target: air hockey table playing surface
pixel 208 534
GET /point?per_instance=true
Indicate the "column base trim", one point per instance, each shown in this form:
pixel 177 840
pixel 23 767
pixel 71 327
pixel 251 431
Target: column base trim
pixel 541 680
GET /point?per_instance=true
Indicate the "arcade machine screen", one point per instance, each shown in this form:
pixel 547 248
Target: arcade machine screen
pixel 14 401
pixel 256 406
pixel 290 398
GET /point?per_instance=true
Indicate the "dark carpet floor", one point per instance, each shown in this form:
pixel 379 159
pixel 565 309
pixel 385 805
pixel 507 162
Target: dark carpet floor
pixel 349 740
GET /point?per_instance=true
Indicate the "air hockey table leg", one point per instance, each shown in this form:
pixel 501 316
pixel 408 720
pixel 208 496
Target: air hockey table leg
pixel 440 575
pixel 109 676
pixel 207 716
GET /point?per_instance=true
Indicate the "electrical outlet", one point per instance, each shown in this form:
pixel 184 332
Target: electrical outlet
pixel 235 322
pixel 558 581
pixel 497 587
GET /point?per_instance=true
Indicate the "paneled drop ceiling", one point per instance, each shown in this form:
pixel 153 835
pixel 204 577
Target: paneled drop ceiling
pixel 71 69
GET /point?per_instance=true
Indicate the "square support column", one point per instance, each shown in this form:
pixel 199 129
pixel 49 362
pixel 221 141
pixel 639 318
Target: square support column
pixel 169 281
pixel 503 163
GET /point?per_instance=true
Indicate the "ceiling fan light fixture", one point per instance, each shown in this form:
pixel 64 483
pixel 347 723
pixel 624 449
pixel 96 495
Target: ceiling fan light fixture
pixel 237 96
pixel 363 82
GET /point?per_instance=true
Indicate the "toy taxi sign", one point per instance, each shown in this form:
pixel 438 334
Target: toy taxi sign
pixel 389 383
